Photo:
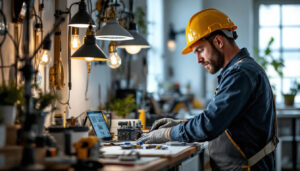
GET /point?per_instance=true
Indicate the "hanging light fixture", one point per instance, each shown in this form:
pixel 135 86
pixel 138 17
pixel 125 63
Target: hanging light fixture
pixel 45 57
pixel 75 40
pixel 172 38
pixel 81 18
pixel 114 60
pixel 134 46
pixel 112 30
pixel 90 51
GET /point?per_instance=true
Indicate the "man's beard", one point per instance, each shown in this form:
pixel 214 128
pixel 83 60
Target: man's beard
pixel 217 60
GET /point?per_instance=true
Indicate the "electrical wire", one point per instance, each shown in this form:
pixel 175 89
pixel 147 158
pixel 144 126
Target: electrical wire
pixel 87 87
pixel 37 59
pixel 90 7
pixel 2 69
pixel 2 41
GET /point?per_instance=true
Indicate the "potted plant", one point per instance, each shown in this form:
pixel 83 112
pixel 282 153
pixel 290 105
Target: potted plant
pixel 10 95
pixel 290 96
pixel 122 106
pixel 41 101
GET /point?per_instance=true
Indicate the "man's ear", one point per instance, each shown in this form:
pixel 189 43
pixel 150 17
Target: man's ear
pixel 219 41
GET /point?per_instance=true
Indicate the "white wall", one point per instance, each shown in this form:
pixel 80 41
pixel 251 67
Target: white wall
pixel 185 67
pixel 241 13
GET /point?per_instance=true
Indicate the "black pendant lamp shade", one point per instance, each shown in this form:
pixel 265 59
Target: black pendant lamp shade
pixel 81 18
pixel 90 49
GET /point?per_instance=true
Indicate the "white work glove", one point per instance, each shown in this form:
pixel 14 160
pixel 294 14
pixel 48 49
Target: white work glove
pixel 157 136
pixel 165 123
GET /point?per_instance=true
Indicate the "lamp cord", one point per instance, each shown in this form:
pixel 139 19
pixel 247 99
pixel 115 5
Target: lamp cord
pixel 87 87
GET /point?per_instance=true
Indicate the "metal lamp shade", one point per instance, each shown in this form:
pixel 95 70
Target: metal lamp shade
pixel 81 18
pixel 90 50
pixel 138 41
pixel 113 31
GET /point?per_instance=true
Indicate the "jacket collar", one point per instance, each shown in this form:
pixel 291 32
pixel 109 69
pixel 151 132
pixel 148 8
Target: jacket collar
pixel 242 53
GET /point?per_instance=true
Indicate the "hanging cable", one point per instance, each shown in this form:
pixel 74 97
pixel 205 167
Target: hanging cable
pixel 1 43
pixel 90 7
pixel 87 87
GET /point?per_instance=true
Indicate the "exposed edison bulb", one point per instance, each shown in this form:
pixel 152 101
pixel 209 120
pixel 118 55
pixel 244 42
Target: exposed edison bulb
pixel 45 57
pixel 133 49
pixel 75 42
pixel 114 60
pixel 88 59
pixel 171 45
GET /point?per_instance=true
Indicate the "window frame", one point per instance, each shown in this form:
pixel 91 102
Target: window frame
pixel 256 29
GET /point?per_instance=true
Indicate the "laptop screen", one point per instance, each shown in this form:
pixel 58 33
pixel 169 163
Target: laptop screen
pixel 98 123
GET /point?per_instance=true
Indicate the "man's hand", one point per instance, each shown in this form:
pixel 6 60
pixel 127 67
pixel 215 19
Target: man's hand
pixel 165 123
pixel 157 136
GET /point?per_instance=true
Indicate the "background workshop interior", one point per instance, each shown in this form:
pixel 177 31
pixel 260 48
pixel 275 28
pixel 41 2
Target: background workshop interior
pixel 58 63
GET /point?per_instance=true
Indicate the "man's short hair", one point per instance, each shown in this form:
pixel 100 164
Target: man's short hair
pixel 230 35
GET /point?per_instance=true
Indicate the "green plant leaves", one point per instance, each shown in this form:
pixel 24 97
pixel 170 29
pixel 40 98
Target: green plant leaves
pixel 267 59
pixel 123 106
pixel 10 94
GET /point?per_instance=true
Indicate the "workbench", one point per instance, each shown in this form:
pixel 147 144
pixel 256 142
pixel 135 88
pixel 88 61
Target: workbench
pixel 190 157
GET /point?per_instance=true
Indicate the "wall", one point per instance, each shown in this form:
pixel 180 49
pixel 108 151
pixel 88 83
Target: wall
pixel 185 67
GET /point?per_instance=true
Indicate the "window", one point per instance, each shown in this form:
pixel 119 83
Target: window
pixel 155 38
pixel 280 20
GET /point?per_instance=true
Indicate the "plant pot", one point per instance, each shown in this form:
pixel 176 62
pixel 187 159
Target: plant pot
pixel 8 113
pixel 289 99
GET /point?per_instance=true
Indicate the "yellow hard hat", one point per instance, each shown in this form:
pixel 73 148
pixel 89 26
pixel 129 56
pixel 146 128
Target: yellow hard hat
pixel 203 23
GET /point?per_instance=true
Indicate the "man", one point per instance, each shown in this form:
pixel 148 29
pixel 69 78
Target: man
pixel 240 120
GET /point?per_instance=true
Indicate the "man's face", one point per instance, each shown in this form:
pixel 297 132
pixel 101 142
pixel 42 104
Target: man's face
pixel 208 56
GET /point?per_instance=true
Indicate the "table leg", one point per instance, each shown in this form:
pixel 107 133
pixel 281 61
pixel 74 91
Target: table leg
pixel 294 144
pixel 201 160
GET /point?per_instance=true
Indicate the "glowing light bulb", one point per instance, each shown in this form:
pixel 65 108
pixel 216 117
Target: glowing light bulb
pixel 133 49
pixel 172 45
pixel 2 26
pixel 114 60
pixel 45 58
pixel 75 42
pixel 88 59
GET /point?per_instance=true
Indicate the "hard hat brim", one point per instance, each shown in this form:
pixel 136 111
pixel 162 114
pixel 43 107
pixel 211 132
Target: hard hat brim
pixel 186 50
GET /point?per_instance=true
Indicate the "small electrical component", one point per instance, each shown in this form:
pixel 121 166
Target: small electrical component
pixel 158 147
pixel 127 145
pixel 150 146
pixel 129 131
pixel 164 148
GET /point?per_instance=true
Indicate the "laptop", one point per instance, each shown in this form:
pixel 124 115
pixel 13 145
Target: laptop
pixel 101 130
pixel 99 125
